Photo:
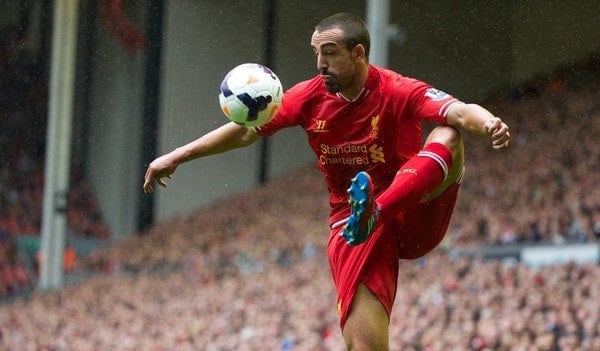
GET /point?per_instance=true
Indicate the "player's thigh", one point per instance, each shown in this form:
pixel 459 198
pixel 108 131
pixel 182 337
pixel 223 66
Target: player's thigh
pixel 367 325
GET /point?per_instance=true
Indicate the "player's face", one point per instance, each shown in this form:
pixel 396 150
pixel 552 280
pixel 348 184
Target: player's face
pixel 336 64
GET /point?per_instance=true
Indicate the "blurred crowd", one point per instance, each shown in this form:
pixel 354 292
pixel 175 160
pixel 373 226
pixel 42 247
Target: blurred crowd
pixel 442 304
pixel 249 272
pixel 23 116
pixel 544 188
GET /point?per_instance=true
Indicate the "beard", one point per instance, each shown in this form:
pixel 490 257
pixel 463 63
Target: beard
pixel 333 84
pixel 333 87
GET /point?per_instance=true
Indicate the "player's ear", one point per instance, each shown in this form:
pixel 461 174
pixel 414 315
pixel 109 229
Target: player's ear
pixel 359 51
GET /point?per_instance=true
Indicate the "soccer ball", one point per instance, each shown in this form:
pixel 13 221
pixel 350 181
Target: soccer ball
pixel 250 94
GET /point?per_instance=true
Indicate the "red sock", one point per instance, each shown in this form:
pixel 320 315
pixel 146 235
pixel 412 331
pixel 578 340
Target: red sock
pixel 416 178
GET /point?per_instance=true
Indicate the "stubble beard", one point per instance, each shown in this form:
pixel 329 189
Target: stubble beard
pixel 333 87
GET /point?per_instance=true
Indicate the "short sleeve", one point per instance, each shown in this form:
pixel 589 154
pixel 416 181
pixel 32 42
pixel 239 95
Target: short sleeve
pixel 431 104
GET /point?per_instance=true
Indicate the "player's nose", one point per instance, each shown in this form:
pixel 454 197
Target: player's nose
pixel 321 64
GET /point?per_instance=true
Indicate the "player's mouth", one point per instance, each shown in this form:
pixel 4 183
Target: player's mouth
pixel 326 77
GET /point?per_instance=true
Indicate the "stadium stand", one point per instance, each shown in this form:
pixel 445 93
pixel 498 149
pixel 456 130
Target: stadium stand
pixel 240 275
pixel 23 112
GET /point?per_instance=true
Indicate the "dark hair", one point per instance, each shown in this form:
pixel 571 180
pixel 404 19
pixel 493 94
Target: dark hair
pixel 354 30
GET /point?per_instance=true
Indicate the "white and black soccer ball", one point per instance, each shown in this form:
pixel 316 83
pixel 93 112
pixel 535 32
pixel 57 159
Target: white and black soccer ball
pixel 250 94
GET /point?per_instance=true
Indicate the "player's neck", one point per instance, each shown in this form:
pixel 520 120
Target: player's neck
pixel 354 92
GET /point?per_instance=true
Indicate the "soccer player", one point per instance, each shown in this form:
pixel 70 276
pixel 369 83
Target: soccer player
pixel 390 197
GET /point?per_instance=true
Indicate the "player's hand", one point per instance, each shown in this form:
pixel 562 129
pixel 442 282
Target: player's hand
pixel 160 168
pixel 498 131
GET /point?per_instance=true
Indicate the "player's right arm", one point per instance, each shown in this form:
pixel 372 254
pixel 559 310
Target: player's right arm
pixel 228 137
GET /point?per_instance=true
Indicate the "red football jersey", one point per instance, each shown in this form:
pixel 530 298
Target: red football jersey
pixel 377 132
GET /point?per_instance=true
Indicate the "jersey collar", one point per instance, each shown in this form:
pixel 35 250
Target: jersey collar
pixel 360 93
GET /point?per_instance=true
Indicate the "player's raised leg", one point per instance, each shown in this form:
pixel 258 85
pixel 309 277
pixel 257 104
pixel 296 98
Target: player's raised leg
pixel 425 176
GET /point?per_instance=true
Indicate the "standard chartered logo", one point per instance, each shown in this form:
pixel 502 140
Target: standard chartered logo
pixel 351 154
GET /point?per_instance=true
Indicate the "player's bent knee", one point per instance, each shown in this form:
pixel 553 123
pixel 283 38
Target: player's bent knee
pixel 452 139
pixel 448 136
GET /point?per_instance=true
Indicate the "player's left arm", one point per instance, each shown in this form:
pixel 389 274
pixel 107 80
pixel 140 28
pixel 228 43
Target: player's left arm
pixel 478 120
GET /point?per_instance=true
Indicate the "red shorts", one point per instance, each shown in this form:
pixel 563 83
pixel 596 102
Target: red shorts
pixel 412 234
